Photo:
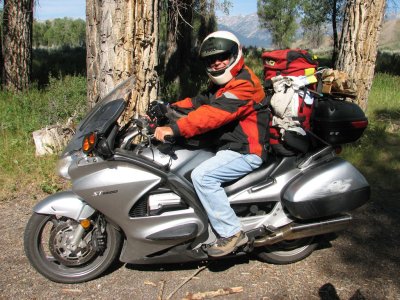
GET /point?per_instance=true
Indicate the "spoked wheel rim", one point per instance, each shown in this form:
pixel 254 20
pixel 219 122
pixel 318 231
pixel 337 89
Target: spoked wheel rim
pixel 53 249
pixel 48 247
pixel 60 248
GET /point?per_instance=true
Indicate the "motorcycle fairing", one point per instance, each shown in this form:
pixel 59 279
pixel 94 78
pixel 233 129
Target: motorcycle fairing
pixel 66 204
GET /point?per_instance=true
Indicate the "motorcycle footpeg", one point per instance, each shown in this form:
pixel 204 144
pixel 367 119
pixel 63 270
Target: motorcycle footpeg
pixel 249 247
pixel 205 247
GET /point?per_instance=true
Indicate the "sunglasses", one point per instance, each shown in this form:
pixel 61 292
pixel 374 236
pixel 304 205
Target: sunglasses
pixel 217 57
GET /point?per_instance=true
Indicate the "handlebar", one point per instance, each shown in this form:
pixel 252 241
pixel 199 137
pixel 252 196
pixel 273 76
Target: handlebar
pixel 169 139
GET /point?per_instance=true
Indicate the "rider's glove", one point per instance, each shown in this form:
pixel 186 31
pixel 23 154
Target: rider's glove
pixel 157 113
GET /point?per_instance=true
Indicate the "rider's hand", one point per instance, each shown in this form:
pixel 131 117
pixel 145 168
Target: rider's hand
pixel 161 132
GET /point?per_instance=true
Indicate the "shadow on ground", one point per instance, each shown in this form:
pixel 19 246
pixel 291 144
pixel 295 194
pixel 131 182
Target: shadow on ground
pixel 372 244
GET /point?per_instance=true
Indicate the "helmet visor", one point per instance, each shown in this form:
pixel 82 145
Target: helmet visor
pixel 212 59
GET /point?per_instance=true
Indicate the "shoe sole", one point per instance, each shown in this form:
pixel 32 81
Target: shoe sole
pixel 240 243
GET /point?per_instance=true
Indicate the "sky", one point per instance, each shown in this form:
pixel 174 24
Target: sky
pixel 51 9
pixel 242 7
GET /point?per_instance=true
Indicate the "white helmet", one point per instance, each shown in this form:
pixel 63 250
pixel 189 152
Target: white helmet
pixel 222 43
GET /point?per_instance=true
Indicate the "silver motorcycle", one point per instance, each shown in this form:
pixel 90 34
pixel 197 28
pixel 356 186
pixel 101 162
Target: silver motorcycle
pixel 132 199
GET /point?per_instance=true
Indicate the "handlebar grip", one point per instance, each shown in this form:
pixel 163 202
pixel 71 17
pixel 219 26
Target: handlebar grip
pixel 170 139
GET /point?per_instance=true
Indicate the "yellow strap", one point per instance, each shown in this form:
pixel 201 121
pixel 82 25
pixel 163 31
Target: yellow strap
pixel 310 75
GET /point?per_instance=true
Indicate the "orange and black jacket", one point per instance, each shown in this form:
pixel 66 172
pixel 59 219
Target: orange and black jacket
pixel 233 108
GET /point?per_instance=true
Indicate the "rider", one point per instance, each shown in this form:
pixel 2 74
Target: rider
pixel 230 104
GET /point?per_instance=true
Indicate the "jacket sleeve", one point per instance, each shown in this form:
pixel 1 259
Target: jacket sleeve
pixel 233 103
pixel 194 102
pixel 185 103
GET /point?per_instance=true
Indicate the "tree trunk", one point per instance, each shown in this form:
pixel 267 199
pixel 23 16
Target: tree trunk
pixel 52 139
pixel 335 33
pixel 122 41
pixel 359 43
pixel 207 19
pixel 179 39
pixel 17 44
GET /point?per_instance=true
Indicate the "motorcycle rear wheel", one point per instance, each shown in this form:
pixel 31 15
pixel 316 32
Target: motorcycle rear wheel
pixel 287 252
pixel 46 246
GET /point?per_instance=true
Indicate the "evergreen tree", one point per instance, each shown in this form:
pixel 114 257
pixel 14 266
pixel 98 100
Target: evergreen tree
pixel 279 17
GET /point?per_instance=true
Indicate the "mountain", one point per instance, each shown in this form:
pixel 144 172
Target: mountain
pixel 246 28
pixel 390 34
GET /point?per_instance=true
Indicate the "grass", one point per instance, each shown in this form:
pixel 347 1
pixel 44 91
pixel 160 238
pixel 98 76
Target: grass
pixel 377 153
pixel 20 115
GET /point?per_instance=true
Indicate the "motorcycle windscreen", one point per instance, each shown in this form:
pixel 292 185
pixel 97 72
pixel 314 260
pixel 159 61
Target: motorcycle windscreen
pixel 103 115
pixel 331 188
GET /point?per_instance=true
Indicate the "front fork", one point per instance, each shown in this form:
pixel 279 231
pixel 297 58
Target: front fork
pixel 77 237
pixel 68 204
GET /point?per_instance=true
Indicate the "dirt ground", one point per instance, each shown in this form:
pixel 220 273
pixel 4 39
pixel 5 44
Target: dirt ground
pixel 360 263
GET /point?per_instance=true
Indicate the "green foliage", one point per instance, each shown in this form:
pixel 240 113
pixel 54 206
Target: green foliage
pixel 388 62
pixel 20 115
pixel 188 76
pixel 192 80
pixel 314 19
pixel 377 154
pixel 59 32
pixel 279 17
pixel 34 109
pixel 384 104
pixel 58 63
pixel 253 60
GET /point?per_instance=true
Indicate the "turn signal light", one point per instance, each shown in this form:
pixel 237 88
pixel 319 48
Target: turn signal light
pixel 85 223
pixel 89 142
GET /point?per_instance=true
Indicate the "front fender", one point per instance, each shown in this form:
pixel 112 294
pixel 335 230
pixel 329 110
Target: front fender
pixel 66 204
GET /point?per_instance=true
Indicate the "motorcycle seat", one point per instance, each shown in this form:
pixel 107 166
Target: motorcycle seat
pixel 252 178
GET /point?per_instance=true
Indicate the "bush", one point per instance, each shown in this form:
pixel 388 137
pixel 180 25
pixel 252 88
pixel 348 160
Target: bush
pixel 23 113
pixel 58 63
pixel 388 62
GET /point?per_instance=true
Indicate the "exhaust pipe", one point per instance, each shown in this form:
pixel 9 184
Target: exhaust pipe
pixel 298 231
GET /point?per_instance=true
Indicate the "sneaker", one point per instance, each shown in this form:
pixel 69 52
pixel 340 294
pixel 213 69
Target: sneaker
pixel 224 246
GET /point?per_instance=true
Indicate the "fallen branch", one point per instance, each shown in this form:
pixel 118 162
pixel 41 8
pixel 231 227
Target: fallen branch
pixel 186 280
pixel 160 293
pixel 212 294
pixel 71 291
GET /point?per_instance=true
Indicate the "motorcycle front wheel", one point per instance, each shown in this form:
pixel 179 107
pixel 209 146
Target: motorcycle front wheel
pixel 287 252
pixel 48 246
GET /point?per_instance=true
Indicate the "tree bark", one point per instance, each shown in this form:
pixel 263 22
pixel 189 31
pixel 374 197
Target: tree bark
pixel 207 19
pixel 179 41
pixel 122 41
pixel 335 32
pixel 17 44
pixel 52 139
pixel 359 44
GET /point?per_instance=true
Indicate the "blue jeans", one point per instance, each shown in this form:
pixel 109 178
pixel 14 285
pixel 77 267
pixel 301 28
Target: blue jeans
pixel 207 178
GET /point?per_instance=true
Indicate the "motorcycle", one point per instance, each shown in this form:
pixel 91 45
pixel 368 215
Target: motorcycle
pixel 132 199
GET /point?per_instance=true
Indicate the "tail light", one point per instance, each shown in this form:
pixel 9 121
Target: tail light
pixel 89 142
pixel 338 149
pixel 359 124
